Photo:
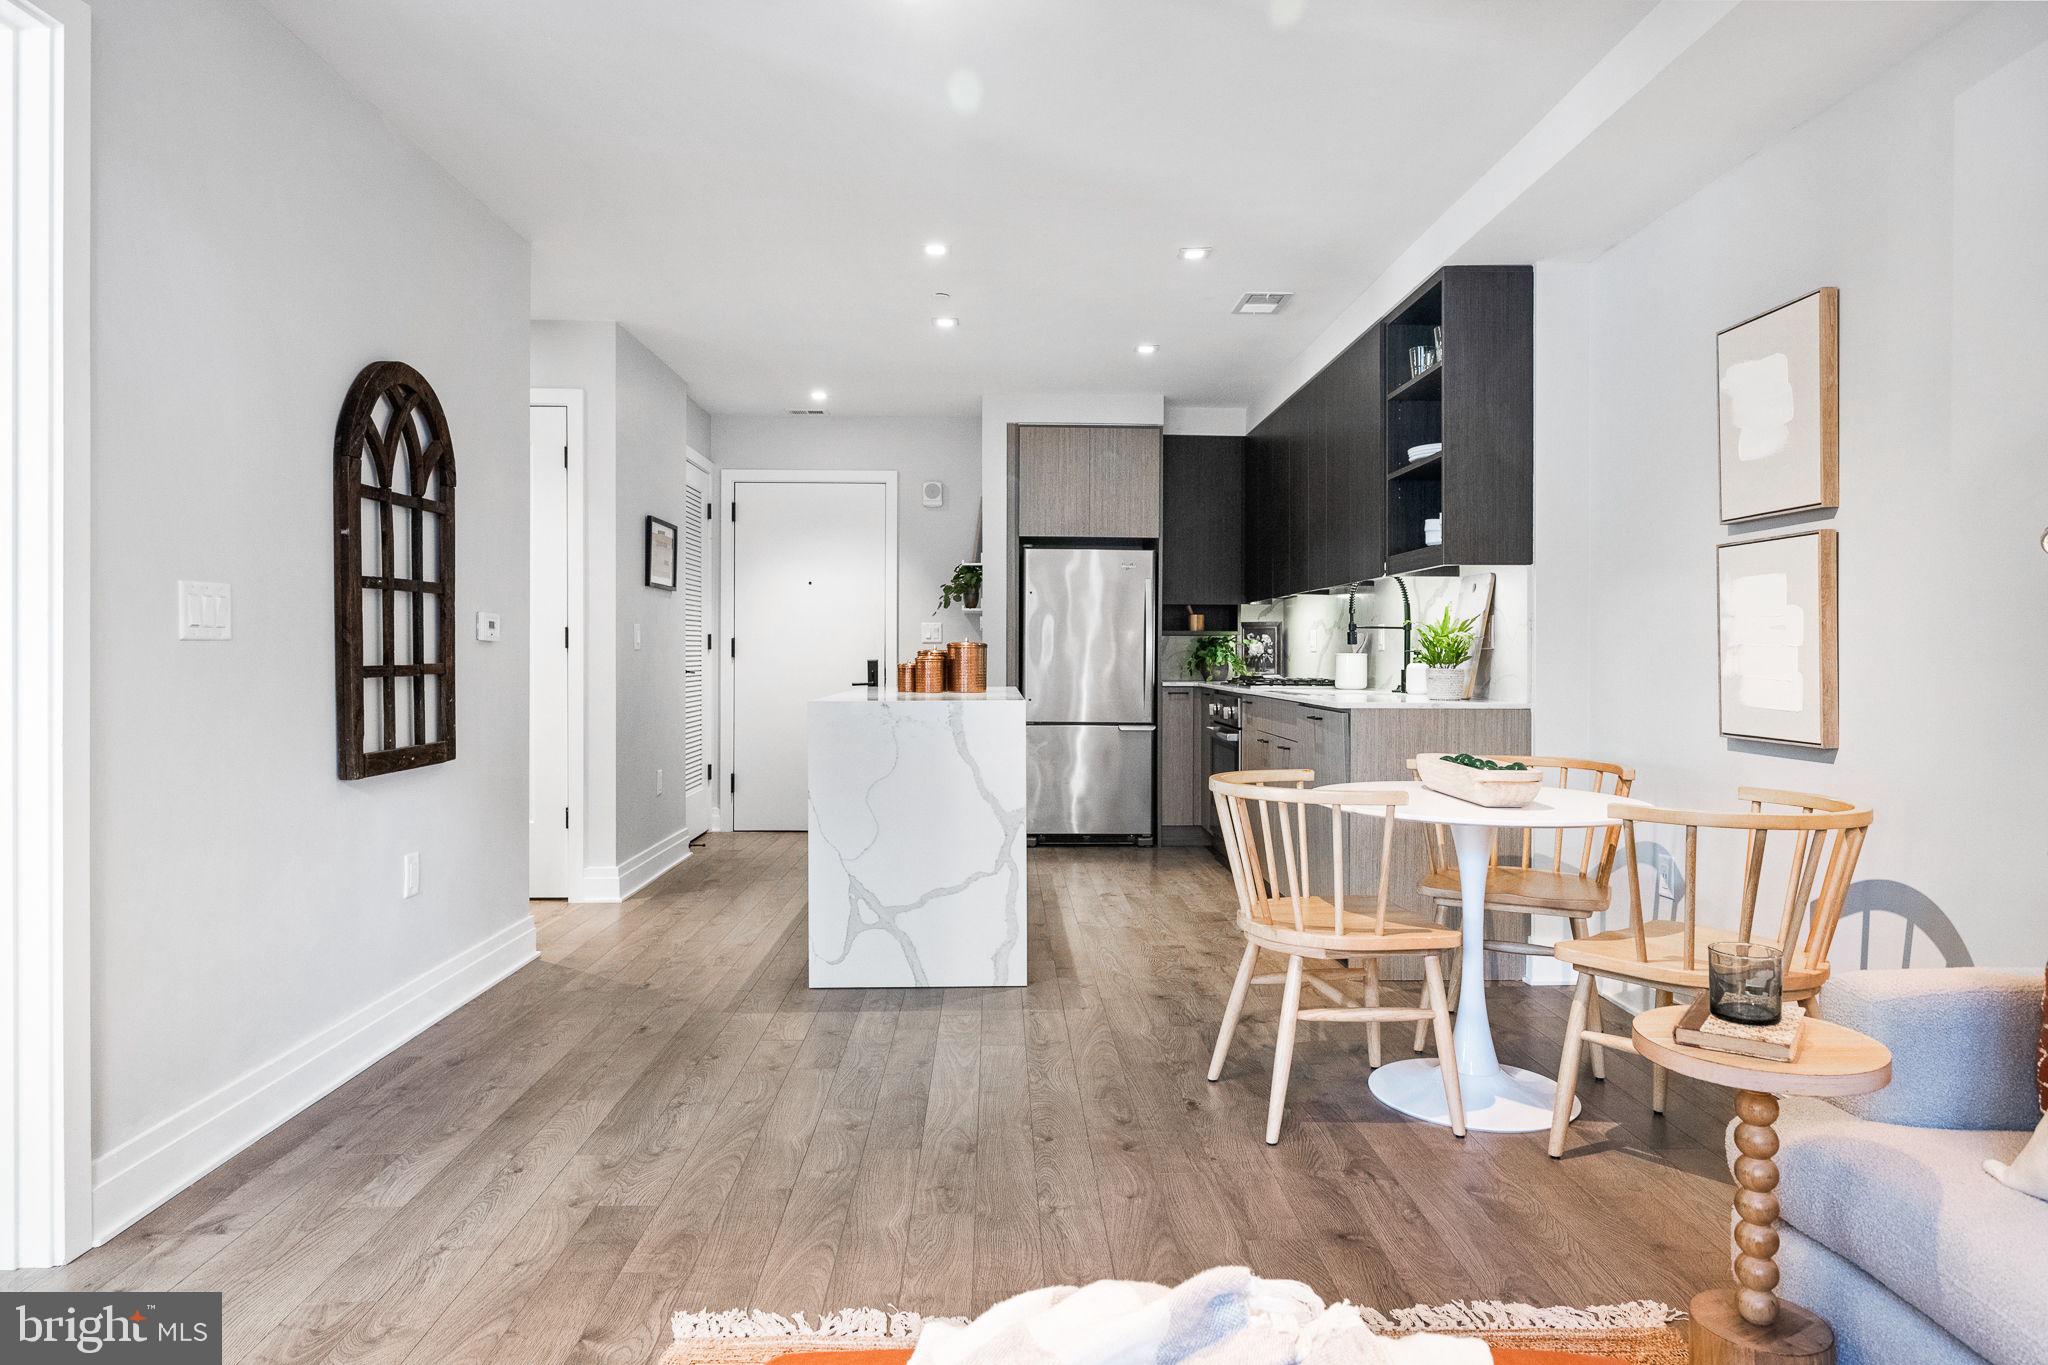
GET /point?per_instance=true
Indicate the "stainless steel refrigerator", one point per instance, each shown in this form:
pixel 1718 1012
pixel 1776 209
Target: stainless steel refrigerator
pixel 1090 676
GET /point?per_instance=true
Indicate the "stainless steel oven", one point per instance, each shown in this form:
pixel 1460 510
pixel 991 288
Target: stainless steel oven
pixel 1221 740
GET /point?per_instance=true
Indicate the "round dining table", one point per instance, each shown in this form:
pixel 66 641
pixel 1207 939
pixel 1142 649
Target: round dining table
pixel 1498 1099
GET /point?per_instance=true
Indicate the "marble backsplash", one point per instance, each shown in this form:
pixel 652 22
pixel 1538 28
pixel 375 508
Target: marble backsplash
pixel 1314 627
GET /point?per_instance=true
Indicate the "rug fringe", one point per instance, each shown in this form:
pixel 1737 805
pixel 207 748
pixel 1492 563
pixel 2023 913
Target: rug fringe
pixel 1492 1315
pixel 1462 1315
pixel 847 1324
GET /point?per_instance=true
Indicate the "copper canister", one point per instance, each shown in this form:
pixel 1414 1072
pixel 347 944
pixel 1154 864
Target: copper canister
pixel 931 670
pixel 906 677
pixel 970 665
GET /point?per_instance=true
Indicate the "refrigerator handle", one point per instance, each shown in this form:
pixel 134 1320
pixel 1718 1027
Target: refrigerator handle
pixel 1137 729
pixel 1151 647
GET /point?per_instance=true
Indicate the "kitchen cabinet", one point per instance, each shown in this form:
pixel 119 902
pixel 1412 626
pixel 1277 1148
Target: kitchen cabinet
pixel 1478 401
pixel 1201 545
pixel 1181 743
pixel 1095 482
pixel 1314 492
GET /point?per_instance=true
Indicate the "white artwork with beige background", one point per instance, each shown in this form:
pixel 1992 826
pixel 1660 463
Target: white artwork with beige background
pixel 1777 638
pixel 1779 425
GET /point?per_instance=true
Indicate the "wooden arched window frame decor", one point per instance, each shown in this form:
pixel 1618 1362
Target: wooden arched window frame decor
pixel 394 575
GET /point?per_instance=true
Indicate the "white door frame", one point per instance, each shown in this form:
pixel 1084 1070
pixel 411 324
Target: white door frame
pixel 572 399
pixel 713 623
pixel 45 501
pixel 726 479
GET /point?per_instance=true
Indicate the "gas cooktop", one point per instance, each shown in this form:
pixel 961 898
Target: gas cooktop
pixel 1268 680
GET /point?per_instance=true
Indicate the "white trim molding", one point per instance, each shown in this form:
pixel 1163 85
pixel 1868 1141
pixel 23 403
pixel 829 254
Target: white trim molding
pixel 609 885
pixel 45 582
pixel 728 814
pixel 149 1168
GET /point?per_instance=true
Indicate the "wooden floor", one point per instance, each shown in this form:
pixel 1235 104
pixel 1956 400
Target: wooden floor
pixel 658 1114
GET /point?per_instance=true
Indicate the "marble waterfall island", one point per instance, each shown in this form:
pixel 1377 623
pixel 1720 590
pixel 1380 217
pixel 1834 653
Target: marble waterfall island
pixel 917 839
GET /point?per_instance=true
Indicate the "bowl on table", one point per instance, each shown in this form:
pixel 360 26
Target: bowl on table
pixel 1471 781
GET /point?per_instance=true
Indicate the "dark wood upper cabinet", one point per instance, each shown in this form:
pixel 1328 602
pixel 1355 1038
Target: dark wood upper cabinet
pixel 1202 546
pixel 1314 492
pixel 1478 400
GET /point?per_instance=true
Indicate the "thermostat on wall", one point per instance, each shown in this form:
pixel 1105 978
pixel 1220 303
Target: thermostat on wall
pixel 934 493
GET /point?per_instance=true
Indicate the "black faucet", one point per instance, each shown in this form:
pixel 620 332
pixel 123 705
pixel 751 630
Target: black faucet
pixel 1407 627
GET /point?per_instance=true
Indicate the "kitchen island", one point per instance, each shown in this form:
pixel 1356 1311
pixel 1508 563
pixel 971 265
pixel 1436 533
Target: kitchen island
pixel 917 839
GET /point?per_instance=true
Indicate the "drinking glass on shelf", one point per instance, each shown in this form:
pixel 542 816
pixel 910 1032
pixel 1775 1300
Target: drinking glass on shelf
pixel 1746 982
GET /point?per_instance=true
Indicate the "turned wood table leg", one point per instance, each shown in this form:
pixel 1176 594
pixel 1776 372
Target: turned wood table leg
pixel 1749 1324
pixel 1756 1205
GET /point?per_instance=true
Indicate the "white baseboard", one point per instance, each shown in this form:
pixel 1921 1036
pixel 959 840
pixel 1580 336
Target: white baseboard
pixel 606 885
pixel 148 1169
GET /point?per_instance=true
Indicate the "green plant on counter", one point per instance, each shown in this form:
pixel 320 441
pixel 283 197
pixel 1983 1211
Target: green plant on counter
pixel 963 587
pixel 1214 656
pixel 1444 643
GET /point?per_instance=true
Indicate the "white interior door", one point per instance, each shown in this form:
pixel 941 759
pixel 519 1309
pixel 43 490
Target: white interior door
pixel 811 578
pixel 547 805
pixel 697 793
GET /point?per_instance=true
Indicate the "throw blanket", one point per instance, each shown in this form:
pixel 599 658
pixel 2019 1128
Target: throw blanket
pixel 1225 1316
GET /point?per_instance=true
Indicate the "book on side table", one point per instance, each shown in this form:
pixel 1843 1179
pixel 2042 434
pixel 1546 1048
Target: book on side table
pixel 1777 1042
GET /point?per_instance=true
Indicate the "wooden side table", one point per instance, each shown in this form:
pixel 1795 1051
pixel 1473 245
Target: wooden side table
pixel 1749 1324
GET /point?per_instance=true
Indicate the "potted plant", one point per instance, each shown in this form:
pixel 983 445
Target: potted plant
pixel 1445 646
pixel 1214 656
pixel 963 587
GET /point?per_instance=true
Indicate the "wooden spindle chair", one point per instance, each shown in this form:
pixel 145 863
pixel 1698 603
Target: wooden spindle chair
pixel 1574 887
pixel 1670 956
pixel 1264 817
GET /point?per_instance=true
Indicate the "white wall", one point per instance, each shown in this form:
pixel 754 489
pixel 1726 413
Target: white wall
pixel 930 542
pixel 259 235
pixel 637 432
pixel 1921 197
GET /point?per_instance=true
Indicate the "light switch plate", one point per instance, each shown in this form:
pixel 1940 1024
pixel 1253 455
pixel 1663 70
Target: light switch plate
pixel 487 627
pixel 205 611
pixel 932 633
pixel 636 635
pixel 411 887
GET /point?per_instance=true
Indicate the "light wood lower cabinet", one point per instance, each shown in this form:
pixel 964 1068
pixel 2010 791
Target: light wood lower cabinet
pixel 1181 741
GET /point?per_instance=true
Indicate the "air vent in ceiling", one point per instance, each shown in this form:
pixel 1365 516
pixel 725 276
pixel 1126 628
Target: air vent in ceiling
pixel 1261 303
pixel 806 412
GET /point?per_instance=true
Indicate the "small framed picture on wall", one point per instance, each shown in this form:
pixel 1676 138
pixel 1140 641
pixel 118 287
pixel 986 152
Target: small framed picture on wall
pixel 1780 428
pixel 1777 639
pixel 661 554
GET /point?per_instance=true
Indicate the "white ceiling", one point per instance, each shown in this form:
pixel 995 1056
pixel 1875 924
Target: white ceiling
pixel 748 184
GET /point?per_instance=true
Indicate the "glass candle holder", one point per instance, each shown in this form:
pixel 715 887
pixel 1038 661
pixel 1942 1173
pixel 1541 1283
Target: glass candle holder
pixel 1746 982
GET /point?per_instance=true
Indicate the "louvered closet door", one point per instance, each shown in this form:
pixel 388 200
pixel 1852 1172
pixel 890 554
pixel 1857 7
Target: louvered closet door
pixel 697 801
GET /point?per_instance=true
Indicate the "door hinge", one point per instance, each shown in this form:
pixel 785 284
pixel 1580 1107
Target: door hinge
pixel 707 511
pixel 565 457
pixel 734 508
pixel 735 643
pixel 707 772
pixel 565 637
pixel 565 817
pixel 707 641
pixel 732 782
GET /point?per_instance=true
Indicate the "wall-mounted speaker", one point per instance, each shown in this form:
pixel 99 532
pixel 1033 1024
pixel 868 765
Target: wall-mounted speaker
pixel 934 493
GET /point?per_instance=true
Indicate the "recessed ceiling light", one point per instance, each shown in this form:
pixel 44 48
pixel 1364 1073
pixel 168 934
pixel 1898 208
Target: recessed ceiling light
pixel 945 324
pixel 1147 348
pixel 934 249
pixel 1194 253
pixel 818 395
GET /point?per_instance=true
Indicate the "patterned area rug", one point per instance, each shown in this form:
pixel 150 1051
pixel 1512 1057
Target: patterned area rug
pixel 1641 1333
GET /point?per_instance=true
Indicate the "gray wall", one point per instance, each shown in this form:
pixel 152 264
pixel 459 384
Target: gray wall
pixel 636 437
pixel 259 235
pixel 930 541
pixel 1921 197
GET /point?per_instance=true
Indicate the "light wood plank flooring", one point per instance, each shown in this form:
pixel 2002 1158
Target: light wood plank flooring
pixel 659 1114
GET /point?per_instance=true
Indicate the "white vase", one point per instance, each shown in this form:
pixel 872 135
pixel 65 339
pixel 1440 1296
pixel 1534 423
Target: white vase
pixel 1415 681
pixel 1447 684
pixel 1353 672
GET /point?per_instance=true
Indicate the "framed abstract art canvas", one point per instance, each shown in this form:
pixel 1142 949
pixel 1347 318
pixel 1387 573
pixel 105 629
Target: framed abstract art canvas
pixel 1777 639
pixel 1778 424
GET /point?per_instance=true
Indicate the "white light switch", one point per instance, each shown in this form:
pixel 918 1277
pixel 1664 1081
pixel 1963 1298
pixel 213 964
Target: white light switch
pixel 205 611
pixel 412 875
pixel 487 625
pixel 636 635
pixel 933 632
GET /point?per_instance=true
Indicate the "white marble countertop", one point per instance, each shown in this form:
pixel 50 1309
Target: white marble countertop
pixel 1353 701
pixel 865 694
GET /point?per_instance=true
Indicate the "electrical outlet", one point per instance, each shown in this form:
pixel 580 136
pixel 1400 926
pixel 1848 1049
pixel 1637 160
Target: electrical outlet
pixel 412 875
pixel 658 782
pixel 488 626
pixel 933 632
pixel 636 635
